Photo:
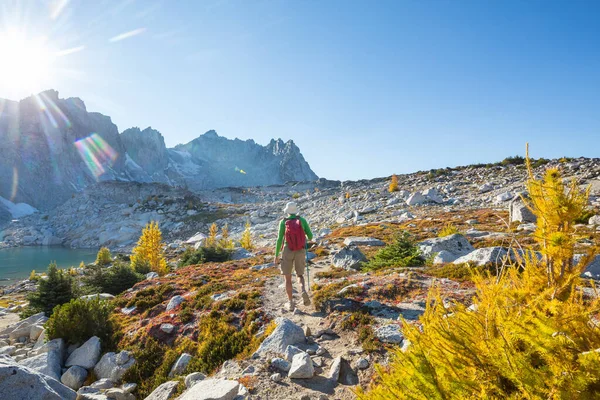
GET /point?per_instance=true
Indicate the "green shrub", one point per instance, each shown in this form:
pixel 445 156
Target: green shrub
pixel 401 253
pixel 103 257
pixel 150 297
pixel 149 355
pixel 80 319
pixel 516 160
pixel 204 254
pixel 57 289
pixel 112 280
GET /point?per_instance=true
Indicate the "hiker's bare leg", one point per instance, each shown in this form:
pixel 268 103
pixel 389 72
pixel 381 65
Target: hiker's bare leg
pixel 301 282
pixel 288 286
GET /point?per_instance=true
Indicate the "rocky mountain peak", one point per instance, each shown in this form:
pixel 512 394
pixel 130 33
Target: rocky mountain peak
pixel 53 147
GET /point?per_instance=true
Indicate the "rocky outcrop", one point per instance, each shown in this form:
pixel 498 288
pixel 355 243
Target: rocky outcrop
pixel 451 247
pixel 212 161
pixel 114 365
pixel 20 382
pixel 212 389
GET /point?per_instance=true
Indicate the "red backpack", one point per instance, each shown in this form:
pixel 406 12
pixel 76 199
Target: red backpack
pixel 294 234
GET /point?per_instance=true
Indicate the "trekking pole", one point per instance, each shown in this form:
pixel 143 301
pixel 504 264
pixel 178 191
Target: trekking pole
pixel 307 266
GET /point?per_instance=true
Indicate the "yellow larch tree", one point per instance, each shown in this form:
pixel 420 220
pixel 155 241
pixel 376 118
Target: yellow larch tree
pixel 246 240
pixel 148 255
pixel 393 184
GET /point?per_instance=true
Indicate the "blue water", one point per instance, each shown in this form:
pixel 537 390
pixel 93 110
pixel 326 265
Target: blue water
pixel 17 263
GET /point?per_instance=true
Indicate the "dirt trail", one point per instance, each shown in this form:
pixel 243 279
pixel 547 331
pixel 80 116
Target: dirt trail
pixel 319 387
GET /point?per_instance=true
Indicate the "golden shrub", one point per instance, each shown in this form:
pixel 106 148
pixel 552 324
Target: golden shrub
pixel 393 184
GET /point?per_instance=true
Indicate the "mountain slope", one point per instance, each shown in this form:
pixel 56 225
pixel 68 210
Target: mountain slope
pixel 52 148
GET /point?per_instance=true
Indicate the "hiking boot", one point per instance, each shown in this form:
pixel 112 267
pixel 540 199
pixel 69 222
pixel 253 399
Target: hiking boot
pixel 290 306
pixel 306 299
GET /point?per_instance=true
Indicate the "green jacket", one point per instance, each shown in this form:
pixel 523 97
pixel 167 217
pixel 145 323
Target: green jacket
pixel 281 237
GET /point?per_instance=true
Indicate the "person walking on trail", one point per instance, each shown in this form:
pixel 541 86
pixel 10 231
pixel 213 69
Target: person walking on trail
pixel 291 244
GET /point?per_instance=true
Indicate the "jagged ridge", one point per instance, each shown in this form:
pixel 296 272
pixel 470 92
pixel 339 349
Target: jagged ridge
pixel 41 165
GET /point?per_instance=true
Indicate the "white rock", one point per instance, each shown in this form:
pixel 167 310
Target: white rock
pixel 454 246
pixel 8 350
pixel 193 378
pixel 349 257
pixel 276 377
pixel 286 333
pixel 212 389
pixel 362 363
pixel 291 351
pixel 21 383
pixel 113 366
pixel 74 377
pixel 280 364
pixel 302 367
pixel 49 359
pixel 595 220
pixel 363 241
pixel 87 355
pixel 416 199
pixel 103 384
pixel 180 365
pixel 174 302
pixel 151 275
pixel 506 196
pixel 35 332
pixel 164 391
pixel 389 334
pixel 167 328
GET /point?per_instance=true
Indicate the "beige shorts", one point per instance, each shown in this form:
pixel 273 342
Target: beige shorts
pixel 293 259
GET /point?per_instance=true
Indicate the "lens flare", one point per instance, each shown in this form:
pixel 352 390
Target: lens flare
pixel 15 184
pixel 241 171
pixel 96 153
pixel 127 35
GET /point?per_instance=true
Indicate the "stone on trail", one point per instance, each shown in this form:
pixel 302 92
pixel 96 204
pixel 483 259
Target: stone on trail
pixel 19 382
pixel 276 377
pixel 390 334
pixel 212 389
pixel 113 366
pixel 456 245
pixel 291 351
pixel 362 363
pixel 363 241
pixel 164 391
pixel 180 365
pixel 74 377
pixel 342 372
pixel 87 355
pixel 286 333
pixel 193 378
pixel 302 367
pixel 280 364
pixel 349 257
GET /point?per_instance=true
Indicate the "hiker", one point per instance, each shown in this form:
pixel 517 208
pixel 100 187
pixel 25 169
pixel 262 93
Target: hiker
pixel 291 242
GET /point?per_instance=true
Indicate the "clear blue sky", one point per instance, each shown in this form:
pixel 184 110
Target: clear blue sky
pixel 364 88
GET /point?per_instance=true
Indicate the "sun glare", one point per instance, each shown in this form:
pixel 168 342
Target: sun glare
pixel 26 65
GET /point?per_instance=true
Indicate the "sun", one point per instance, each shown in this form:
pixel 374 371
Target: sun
pixel 25 66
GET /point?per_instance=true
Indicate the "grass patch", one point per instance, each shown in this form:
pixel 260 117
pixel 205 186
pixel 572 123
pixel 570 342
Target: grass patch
pixel 334 273
pixel 449 229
